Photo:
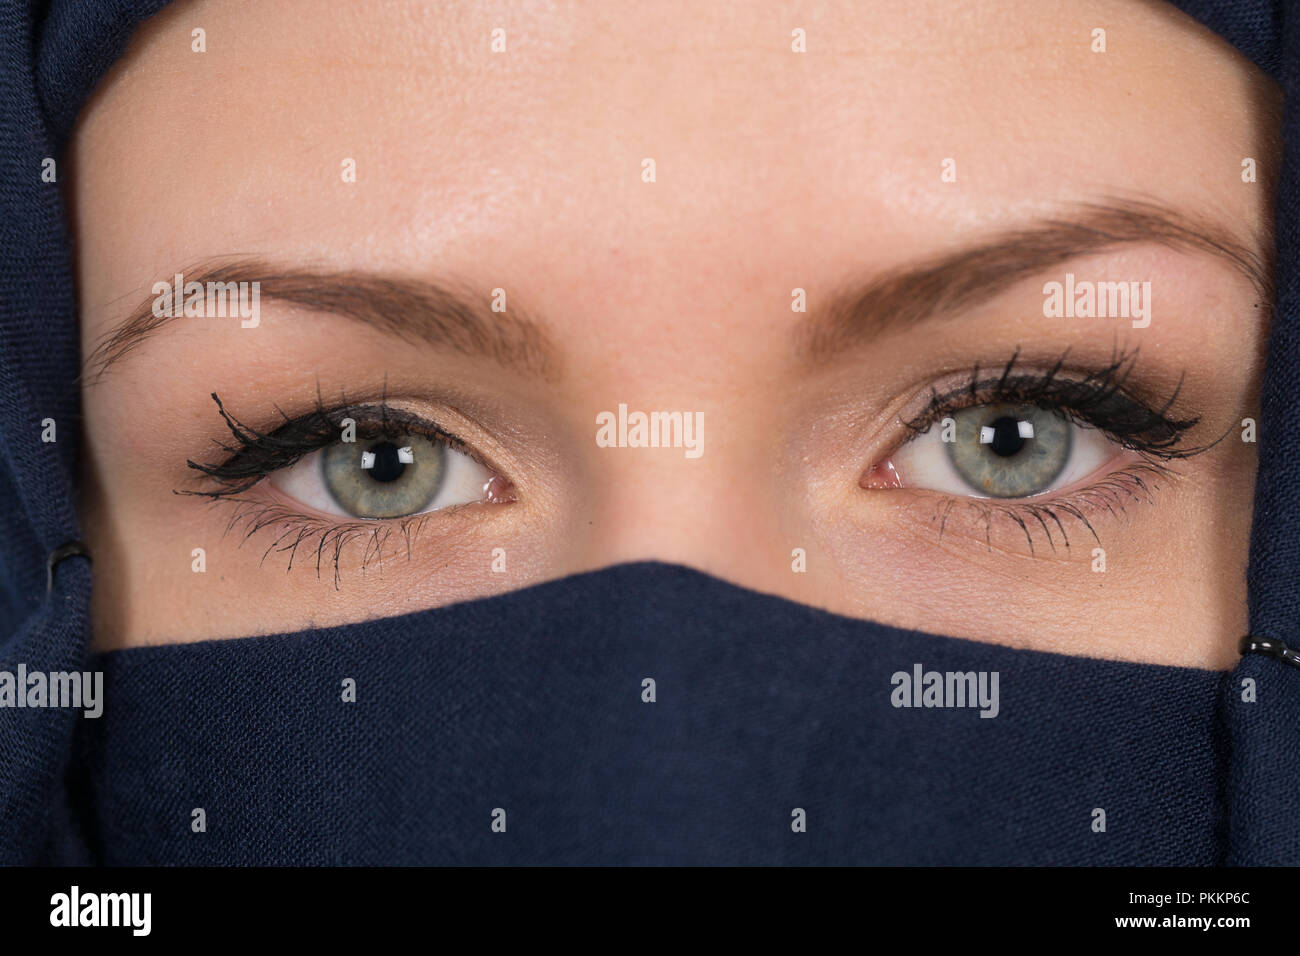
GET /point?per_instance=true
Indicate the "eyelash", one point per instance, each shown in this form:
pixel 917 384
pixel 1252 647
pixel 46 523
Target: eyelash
pixel 254 455
pixel 1097 400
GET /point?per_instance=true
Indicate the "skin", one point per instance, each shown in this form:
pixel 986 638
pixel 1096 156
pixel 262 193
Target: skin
pixel 775 170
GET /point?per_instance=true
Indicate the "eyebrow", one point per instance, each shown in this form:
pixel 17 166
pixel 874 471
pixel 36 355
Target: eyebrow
pixel 963 279
pixel 416 310
pixel 426 312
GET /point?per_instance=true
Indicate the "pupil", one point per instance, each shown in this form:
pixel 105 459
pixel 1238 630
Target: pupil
pixel 387 466
pixel 1006 437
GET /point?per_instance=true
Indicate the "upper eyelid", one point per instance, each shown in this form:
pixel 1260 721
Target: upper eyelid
pixel 1004 390
pixel 1070 389
pixel 255 448
pixel 389 421
pixel 370 429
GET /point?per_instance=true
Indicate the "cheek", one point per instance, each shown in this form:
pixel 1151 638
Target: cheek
pixel 148 591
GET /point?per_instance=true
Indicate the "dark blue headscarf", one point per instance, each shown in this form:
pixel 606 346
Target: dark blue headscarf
pixel 528 708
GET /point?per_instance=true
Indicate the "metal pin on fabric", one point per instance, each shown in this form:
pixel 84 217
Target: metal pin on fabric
pixel 57 555
pixel 1272 648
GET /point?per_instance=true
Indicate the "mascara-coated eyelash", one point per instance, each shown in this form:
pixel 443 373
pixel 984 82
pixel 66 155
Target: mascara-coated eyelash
pixel 1096 400
pixel 254 455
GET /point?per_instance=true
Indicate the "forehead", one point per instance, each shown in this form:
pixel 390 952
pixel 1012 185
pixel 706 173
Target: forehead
pixel 531 161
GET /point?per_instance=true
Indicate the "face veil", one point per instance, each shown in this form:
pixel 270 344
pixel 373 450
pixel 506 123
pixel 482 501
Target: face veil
pixel 644 713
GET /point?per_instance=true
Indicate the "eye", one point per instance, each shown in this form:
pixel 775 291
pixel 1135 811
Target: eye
pixel 996 450
pixel 390 476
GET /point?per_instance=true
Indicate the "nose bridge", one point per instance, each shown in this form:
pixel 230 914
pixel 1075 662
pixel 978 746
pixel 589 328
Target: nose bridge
pixel 711 511
pixel 674 466
pixel 666 489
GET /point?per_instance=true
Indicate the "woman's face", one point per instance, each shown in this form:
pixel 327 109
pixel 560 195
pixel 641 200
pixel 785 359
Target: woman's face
pixel 961 314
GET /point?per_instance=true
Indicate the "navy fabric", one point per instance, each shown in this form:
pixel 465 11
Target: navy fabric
pixel 531 702
pixel 1255 27
pixel 38 367
pixel 1265 772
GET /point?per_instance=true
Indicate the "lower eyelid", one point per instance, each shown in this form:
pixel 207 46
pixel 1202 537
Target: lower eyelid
pixel 1067 522
pixel 290 510
pixel 332 545
pixel 334 541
